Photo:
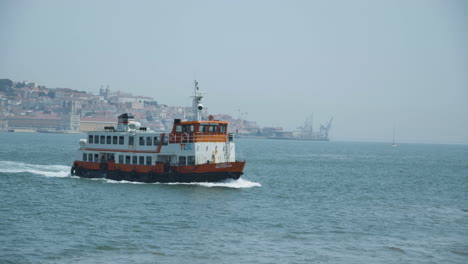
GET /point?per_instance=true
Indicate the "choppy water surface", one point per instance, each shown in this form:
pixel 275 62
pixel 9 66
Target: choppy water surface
pixel 298 202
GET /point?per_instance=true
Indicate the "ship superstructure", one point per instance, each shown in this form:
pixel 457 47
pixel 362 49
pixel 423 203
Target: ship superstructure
pixel 194 151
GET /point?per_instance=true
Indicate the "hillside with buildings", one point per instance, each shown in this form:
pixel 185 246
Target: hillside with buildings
pixel 29 106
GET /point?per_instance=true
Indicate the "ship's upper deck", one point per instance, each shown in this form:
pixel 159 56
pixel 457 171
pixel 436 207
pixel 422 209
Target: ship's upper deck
pixel 182 132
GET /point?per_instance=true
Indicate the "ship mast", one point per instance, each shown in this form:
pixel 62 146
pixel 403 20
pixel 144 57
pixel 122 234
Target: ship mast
pixel 196 103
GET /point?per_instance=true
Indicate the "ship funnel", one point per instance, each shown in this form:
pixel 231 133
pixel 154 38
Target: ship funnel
pixel 124 121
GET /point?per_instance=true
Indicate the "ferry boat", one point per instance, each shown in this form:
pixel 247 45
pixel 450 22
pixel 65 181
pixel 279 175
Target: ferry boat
pixel 194 151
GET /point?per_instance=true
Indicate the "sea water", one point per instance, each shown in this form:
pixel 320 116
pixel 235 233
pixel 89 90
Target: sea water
pixel 298 202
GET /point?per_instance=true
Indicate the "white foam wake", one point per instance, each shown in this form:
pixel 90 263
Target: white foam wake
pixel 113 181
pixel 44 170
pixel 236 184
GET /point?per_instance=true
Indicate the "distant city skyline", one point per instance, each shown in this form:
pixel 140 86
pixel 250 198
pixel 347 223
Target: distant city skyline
pixel 372 65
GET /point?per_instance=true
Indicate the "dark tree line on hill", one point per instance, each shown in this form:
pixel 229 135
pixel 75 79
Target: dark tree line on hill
pixel 6 86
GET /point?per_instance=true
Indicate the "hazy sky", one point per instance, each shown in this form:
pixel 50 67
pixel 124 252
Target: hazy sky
pixel 369 64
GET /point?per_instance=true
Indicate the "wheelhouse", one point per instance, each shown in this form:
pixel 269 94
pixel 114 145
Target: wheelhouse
pixel 200 131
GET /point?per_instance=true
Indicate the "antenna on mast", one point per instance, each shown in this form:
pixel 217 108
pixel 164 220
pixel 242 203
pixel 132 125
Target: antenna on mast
pixel 196 103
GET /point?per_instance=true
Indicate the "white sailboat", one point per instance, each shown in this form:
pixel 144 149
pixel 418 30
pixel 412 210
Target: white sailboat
pixel 393 142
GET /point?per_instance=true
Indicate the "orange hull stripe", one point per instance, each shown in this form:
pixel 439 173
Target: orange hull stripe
pixel 212 167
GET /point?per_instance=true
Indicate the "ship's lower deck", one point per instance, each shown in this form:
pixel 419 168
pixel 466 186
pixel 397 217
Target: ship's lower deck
pixel 184 174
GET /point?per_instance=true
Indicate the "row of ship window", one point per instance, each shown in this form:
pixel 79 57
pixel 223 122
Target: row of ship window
pixel 120 140
pixel 135 160
pixel 212 128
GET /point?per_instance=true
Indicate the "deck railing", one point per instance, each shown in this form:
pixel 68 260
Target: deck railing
pixel 200 137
